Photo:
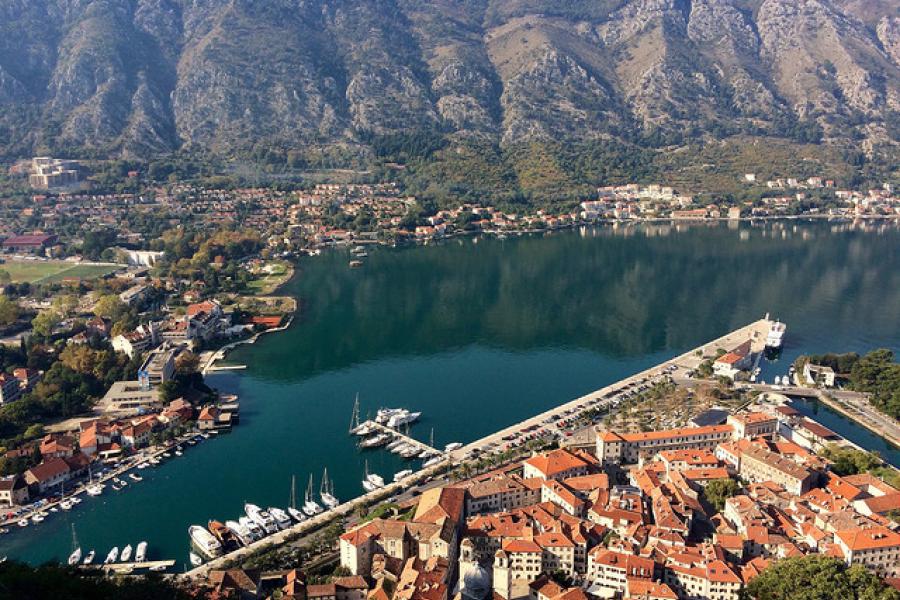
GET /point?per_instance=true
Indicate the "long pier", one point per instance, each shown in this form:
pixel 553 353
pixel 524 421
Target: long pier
pixel 422 446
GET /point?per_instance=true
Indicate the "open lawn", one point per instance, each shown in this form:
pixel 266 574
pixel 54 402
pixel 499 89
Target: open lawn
pixel 50 271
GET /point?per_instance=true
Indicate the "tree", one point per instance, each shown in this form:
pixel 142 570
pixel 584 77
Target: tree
pixel 65 304
pixel 110 306
pixel 5 277
pixel 9 311
pixel 817 577
pixel 718 491
pixel 169 390
pixel 45 322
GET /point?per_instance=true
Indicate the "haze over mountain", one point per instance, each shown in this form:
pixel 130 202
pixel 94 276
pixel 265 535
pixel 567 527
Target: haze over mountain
pixel 142 77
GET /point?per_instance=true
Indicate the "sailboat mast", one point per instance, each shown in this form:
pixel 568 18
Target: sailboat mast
pixel 293 491
pixel 354 418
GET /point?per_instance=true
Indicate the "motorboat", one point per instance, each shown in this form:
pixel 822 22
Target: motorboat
pixel 89 558
pixel 241 532
pixel 252 526
pixel 396 444
pixel 297 515
pixel 66 504
pixel 375 441
pixel 159 568
pixel 404 417
pixel 453 446
pixel 204 541
pixel 229 540
pixel 24 523
pixel 140 553
pixel 135 477
pixel 95 489
pixel 126 553
pixel 261 518
pixel 38 518
pixel 112 556
pixel 195 559
pixel 121 482
pixel 281 517
pixel 401 475
pixel 433 461
pixel 775 337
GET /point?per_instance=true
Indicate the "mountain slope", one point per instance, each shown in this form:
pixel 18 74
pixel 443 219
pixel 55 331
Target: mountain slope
pixel 145 77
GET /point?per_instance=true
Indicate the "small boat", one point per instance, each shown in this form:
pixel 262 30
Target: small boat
pixel 372 482
pixel 226 536
pixel 261 518
pixel 296 514
pixel 326 491
pixel 376 440
pixel 453 446
pixel 121 482
pixel 142 466
pixel 281 517
pixel 75 557
pixel 154 461
pixel 75 500
pixel 37 518
pixel 158 568
pixel 112 556
pixel 204 541
pixel 433 461
pixel 95 489
pixel 66 505
pixel 179 453
pixel 54 509
pixel 195 559
pixel 310 506
pixel 255 530
pixel 135 477
pixel 241 533
pixel 396 444
pixel 355 264
pixel 23 523
pixel 116 487
pixel 140 554
pixel 89 558
pixel 126 553
pixel 401 475
pixel 167 455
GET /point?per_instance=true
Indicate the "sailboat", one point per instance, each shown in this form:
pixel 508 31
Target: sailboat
pixel 75 557
pixel 372 482
pixel 94 489
pixel 326 492
pixel 89 558
pixel 310 506
pixel 354 417
pixel 297 515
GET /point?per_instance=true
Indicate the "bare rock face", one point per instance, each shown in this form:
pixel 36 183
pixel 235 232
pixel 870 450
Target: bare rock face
pixel 143 77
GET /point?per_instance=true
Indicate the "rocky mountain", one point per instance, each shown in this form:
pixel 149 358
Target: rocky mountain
pixel 144 77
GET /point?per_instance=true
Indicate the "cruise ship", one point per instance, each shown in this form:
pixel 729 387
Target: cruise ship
pixel 204 541
pixel 776 335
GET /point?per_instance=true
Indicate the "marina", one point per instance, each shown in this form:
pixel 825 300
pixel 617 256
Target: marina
pixel 473 368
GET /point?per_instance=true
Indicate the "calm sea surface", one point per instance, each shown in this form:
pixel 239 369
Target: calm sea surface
pixel 478 334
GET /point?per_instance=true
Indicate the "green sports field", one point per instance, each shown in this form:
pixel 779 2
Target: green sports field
pixel 51 271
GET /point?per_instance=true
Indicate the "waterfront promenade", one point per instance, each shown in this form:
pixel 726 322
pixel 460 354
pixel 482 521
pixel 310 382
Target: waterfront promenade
pixel 756 332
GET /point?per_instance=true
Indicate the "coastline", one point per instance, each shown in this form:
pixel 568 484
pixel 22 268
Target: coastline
pixel 861 419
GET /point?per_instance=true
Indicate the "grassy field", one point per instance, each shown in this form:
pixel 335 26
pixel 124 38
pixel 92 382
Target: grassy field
pixel 51 271
pixel 267 282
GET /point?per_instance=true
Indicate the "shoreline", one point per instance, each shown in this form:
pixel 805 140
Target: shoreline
pixel 860 420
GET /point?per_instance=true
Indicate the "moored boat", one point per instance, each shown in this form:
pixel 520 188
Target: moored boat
pixel 89 558
pixel 112 556
pixel 204 541
pixel 126 553
pixel 140 554
pixel 261 518
pixel 401 475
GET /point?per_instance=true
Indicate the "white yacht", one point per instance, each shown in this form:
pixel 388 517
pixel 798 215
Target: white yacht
pixel 776 335
pixel 297 515
pixel 326 491
pixel 396 444
pixel 95 489
pixel 453 446
pixel 365 429
pixel 140 553
pixel 252 526
pixel 112 556
pixel 376 440
pixel 401 475
pixel 242 533
pixel 404 417
pixel 205 541
pixel 126 553
pixel 261 518
pixel 89 558
pixel 281 517
pixel 135 477
pixel 310 506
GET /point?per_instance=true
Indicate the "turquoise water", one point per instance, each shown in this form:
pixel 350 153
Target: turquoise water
pixel 477 336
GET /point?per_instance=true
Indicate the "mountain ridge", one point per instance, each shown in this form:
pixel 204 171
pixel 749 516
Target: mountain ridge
pixel 139 78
